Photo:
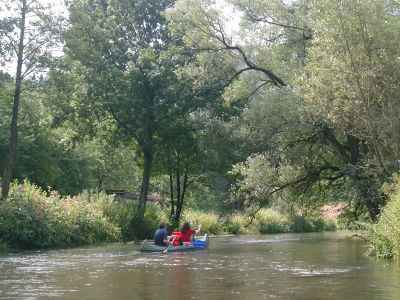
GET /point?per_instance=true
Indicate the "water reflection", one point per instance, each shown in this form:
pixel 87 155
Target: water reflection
pixel 301 266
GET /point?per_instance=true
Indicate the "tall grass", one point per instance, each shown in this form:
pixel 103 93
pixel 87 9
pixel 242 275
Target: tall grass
pixel 384 236
pixel 210 222
pixel 237 224
pixel 271 221
pixel 30 219
pixel 266 221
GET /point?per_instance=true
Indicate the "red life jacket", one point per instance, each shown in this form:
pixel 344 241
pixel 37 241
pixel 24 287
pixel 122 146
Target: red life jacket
pixel 178 238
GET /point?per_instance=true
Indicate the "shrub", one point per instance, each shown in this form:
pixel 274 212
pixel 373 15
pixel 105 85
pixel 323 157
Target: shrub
pixel 330 225
pixel 235 224
pixel 30 219
pixel 270 221
pixel 120 214
pixel 153 216
pixel 210 222
pixel 311 224
pixel 384 236
pixel 86 222
pixel 25 218
pixel 3 246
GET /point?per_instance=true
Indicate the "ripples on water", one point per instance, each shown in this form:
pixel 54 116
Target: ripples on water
pixel 310 266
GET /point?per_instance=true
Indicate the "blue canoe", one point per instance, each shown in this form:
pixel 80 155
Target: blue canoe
pixel 200 242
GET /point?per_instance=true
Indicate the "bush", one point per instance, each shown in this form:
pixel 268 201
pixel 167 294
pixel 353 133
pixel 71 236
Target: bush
pixel 153 216
pixel 330 225
pixel 236 223
pixel 86 221
pixel 311 224
pixel 3 247
pixel 384 236
pixel 347 221
pixel 120 214
pixel 209 221
pixel 30 219
pixel 270 221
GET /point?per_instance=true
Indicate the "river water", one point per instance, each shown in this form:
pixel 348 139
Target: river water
pixel 287 266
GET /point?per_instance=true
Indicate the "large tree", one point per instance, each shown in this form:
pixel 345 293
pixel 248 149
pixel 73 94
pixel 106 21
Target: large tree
pixel 351 86
pixel 139 76
pixel 338 62
pixel 28 37
pixel 122 45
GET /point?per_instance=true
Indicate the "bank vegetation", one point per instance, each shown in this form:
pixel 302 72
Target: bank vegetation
pixel 246 121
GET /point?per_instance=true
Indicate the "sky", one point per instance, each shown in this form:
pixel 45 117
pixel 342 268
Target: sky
pixel 59 8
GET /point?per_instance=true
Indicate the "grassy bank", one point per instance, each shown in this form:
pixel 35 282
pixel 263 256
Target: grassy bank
pixel 32 219
pixel 384 236
pixel 266 221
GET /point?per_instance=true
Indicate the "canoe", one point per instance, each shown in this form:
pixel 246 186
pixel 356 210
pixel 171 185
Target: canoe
pixel 200 242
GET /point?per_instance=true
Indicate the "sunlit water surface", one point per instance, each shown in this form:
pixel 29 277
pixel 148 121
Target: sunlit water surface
pixel 288 266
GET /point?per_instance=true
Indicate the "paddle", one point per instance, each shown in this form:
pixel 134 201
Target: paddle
pixel 173 240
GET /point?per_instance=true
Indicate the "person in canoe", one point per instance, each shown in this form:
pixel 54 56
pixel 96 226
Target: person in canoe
pixel 161 236
pixel 188 233
pixel 177 238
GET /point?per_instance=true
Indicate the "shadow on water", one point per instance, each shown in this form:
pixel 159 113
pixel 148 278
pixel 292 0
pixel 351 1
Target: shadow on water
pixel 288 266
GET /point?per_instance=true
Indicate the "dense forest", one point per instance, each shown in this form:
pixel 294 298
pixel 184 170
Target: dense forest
pixel 225 109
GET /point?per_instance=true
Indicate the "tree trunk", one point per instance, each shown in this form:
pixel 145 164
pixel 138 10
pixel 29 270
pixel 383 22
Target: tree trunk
pixel 12 156
pixel 350 153
pixel 180 199
pixel 147 149
pixel 171 187
pixel 148 161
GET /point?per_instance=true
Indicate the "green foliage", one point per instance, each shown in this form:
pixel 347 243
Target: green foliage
pixel 120 214
pixel 350 68
pixel 30 219
pixel 153 216
pixel 302 224
pixel 210 222
pixel 236 224
pixel 349 219
pixel 3 247
pixel 6 87
pixel 126 89
pixel 271 221
pixel 384 236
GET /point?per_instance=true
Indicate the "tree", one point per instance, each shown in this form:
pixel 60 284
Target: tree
pixel 204 29
pixel 263 47
pixel 95 140
pixel 121 45
pixel 6 88
pixel 337 61
pixel 351 69
pixel 142 78
pixel 27 35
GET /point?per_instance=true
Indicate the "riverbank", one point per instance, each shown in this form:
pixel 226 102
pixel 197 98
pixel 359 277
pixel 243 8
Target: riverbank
pixel 31 219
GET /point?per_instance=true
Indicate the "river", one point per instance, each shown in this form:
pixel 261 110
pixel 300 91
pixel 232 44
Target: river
pixel 284 266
